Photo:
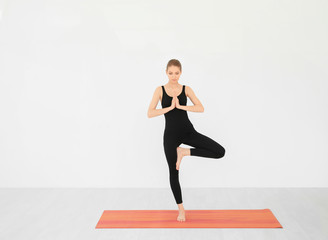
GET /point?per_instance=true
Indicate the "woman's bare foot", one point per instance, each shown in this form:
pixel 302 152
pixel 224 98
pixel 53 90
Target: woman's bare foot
pixel 182 216
pixel 181 152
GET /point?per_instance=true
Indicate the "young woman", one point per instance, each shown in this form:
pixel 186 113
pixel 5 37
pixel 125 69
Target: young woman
pixel 179 129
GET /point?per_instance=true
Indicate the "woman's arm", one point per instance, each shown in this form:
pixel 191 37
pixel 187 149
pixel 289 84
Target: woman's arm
pixel 198 107
pixel 152 111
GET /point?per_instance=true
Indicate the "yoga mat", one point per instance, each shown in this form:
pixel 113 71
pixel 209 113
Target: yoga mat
pixel 259 218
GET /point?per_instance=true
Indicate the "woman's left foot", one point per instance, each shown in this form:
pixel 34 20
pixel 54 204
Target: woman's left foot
pixel 181 152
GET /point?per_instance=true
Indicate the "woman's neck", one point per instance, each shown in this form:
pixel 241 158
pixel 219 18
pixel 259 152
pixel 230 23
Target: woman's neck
pixel 173 85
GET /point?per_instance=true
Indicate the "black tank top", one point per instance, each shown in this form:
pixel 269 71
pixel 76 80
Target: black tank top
pixel 176 118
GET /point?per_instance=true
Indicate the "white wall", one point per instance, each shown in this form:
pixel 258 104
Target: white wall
pixel 76 80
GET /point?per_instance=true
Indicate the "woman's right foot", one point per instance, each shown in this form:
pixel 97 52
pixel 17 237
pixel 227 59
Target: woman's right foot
pixel 182 216
pixel 181 152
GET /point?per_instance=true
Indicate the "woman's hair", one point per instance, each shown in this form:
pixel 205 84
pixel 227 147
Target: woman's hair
pixel 174 62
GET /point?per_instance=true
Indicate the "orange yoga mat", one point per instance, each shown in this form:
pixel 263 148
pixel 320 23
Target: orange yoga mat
pixel 261 218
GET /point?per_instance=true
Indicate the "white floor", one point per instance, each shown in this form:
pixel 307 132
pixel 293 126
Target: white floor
pixel 73 213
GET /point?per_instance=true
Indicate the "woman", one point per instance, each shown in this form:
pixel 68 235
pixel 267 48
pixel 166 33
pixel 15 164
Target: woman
pixel 179 129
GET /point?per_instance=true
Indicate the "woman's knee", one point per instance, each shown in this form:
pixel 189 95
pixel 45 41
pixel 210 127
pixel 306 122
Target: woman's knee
pixel 219 152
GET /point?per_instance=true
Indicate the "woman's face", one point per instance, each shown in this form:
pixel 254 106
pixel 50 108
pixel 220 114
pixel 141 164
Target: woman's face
pixel 173 72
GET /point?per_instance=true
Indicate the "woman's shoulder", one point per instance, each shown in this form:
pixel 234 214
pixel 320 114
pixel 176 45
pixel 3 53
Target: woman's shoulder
pixel 187 89
pixel 159 90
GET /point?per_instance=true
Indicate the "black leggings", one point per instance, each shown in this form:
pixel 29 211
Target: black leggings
pixel 203 147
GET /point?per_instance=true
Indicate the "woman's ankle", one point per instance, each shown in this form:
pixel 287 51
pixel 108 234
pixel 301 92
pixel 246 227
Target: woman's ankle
pixel 180 206
pixel 186 152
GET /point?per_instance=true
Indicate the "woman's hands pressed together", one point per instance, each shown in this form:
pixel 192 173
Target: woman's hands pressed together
pixel 172 103
pixel 175 102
